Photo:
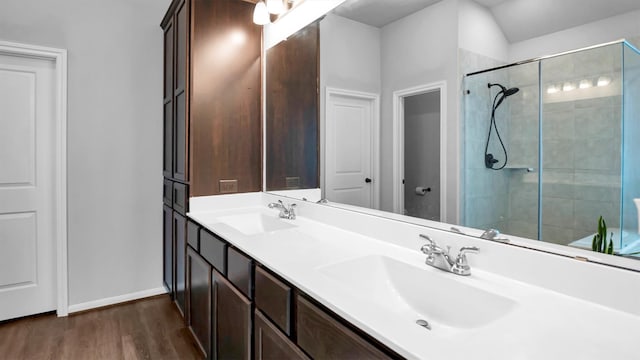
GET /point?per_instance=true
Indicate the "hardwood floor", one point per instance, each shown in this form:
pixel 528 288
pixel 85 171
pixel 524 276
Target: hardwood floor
pixel 146 329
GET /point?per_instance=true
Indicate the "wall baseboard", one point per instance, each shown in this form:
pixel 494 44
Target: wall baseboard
pixel 116 299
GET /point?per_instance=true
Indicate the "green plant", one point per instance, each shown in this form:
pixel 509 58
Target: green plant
pixel 599 243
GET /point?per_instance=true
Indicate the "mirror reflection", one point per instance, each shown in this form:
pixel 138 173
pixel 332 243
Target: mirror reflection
pixel 411 124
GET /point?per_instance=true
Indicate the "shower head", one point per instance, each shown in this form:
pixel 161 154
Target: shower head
pixel 511 91
pixel 504 92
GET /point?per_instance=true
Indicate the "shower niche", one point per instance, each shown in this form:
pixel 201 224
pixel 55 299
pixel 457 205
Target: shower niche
pixel 552 144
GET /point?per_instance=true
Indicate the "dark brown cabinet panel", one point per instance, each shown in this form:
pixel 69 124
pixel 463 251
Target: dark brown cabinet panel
pixel 233 321
pixel 225 125
pixel 167 192
pixel 168 139
pixel 180 234
pixel 273 297
pixel 193 235
pixel 271 344
pixel 180 197
pixel 200 294
pixel 323 337
pixel 214 250
pixel 292 112
pixel 240 271
pixel 167 234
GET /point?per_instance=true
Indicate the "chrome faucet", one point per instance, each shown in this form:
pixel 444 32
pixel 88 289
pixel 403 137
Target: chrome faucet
pixel 286 211
pixel 439 258
pixel 492 234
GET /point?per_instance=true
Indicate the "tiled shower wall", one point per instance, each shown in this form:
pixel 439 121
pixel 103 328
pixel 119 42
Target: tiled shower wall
pixel 581 147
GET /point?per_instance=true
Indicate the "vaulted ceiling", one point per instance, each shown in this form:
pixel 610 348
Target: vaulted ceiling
pixel 519 19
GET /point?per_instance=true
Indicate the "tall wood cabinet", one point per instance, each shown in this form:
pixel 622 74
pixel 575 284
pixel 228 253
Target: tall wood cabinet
pixel 212 129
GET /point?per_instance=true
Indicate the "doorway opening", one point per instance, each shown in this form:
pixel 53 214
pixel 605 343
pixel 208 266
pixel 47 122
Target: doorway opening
pixel 420 151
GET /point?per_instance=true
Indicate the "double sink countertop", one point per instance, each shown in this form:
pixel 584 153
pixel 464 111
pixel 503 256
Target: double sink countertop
pixel 384 286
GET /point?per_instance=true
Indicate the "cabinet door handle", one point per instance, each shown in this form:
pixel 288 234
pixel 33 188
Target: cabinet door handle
pixel 367 180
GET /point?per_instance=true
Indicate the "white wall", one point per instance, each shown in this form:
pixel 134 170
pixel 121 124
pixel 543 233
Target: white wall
pixel 114 135
pixel 598 32
pixel 349 60
pixel 417 50
pixel 479 32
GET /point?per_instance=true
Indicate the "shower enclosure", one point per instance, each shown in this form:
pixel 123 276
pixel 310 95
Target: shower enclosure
pixel 560 149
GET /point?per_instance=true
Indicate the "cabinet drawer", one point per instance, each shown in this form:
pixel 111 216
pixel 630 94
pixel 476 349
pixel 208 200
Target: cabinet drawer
pixel 214 250
pixel 240 271
pixel 167 192
pixel 193 235
pixel 322 337
pixel 270 343
pixel 180 197
pixel 273 298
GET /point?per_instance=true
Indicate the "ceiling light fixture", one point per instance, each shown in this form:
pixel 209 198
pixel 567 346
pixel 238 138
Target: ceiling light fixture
pixel 552 89
pixel 585 84
pixel 604 81
pixel 275 7
pixel 260 14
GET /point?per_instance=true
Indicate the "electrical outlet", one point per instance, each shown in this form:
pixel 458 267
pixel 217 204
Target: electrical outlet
pixel 292 182
pixel 228 186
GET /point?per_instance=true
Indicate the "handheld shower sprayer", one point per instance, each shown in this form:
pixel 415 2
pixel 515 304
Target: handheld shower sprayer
pixel 489 159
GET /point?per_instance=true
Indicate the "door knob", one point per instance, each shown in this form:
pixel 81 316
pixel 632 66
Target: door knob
pixel 367 180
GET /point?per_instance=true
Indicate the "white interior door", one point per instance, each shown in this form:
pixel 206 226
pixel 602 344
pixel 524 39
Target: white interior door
pixel 349 176
pixel 27 169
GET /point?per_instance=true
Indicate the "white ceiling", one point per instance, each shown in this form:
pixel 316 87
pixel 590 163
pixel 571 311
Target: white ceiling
pixel 519 19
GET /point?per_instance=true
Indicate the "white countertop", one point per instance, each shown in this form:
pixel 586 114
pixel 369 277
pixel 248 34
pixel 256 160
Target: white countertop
pixel 541 324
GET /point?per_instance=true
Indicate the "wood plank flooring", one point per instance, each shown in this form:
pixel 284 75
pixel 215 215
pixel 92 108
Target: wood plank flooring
pixel 145 329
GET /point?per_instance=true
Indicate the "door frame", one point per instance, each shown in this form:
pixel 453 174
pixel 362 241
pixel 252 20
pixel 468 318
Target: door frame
pixel 398 143
pixel 374 100
pixel 59 57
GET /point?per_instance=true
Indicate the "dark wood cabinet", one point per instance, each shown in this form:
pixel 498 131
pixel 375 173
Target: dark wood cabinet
pixel 240 272
pixel 323 337
pixel 167 247
pixel 180 236
pixel 271 344
pixel 200 293
pixel 292 125
pixel 233 321
pixel 225 115
pixel 167 167
pixel 274 298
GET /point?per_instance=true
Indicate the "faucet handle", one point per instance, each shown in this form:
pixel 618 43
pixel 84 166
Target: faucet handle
pixel 461 266
pixel 429 246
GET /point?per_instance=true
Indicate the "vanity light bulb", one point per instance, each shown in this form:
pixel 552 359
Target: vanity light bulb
pixel 552 89
pixel 275 7
pixel 585 84
pixel 568 86
pixel 604 81
pixel 260 14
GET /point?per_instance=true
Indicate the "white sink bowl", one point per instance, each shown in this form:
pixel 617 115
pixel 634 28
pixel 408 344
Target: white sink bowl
pixel 419 293
pixel 255 223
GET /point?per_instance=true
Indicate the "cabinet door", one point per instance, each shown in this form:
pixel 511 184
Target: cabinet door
pixel 180 235
pixel 167 167
pixel 167 234
pixel 199 292
pixel 180 93
pixel 322 337
pixel 233 321
pixel 271 343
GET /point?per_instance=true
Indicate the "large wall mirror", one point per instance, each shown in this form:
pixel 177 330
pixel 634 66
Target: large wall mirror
pixel 430 112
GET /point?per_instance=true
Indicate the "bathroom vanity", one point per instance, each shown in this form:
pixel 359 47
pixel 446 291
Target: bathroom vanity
pixel 339 284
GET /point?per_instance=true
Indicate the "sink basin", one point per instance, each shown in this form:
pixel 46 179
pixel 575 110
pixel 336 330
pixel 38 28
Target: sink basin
pixel 419 293
pixel 255 223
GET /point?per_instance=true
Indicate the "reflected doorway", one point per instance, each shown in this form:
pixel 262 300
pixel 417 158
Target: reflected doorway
pixel 419 137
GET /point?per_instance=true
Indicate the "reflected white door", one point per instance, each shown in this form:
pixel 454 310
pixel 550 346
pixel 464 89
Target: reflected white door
pixel 348 167
pixel 27 160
